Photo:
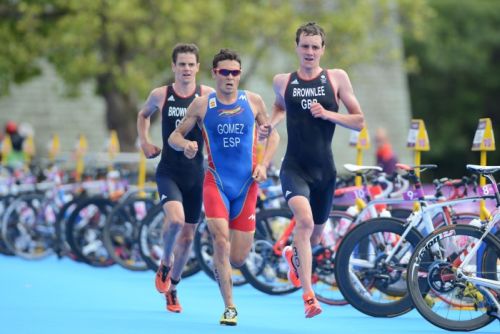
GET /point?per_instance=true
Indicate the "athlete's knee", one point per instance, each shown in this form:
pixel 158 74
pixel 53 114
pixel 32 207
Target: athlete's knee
pixel 304 223
pixel 221 242
pixel 237 260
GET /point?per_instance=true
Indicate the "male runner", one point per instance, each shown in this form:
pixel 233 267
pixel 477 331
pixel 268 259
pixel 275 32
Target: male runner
pixel 310 99
pixel 179 179
pixel 228 118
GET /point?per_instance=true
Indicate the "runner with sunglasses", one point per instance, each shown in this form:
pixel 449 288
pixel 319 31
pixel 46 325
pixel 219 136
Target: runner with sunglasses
pixel 229 119
pixel 179 180
pixel 310 99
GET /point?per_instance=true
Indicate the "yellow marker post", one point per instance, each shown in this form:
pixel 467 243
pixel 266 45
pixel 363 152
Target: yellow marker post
pixel 6 149
pixel 360 140
pixel 80 151
pixel 29 149
pixel 141 177
pixel 484 141
pixel 113 147
pixel 418 140
pixel 54 147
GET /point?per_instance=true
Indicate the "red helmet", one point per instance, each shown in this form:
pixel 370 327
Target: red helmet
pixel 10 127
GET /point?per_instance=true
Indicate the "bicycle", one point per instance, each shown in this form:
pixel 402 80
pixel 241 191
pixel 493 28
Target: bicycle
pixel 85 224
pixel 460 263
pixel 120 234
pixel 28 223
pixel 371 261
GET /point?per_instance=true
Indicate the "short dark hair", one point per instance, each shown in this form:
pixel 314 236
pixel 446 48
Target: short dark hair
pixel 310 29
pixel 225 54
pixel 185 48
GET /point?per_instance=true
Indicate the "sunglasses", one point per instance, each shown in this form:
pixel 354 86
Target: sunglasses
pixel 225 72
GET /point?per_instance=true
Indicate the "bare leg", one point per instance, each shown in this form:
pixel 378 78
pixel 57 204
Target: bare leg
pixel 173 224
pixel 219 228
pixel 241 244
pixel 302 239
pixel 182 251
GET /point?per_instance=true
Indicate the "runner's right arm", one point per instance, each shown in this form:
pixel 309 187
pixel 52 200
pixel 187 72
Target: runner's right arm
pixel 177 138
pixel 152 105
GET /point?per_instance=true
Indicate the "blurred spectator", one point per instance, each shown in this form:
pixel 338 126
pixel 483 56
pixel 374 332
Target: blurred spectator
pixel 16 156
pixel 385 155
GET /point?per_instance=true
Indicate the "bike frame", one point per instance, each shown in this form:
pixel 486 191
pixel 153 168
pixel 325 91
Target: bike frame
pixel 471 251
pixel 420 219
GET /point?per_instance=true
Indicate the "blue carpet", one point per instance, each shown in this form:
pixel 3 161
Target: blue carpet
pixel 61 296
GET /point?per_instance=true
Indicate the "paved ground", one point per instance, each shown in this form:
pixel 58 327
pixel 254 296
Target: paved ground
pixel 60 296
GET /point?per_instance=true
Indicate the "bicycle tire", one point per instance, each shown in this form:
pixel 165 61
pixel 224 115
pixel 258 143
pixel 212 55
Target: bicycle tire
pixel 148 225
pixel 25 231
pixel 84 231
pixel 379 277
pixel 61 246
pixel 4 204
pixel 265 270
pixel 121 232
pixel 420 271
pixel 489 256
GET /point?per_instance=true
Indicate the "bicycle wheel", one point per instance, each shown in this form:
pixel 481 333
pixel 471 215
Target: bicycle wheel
pixel 151 242
pixel 4 203
pixel 121 232
pixel 204 251
pixel 444 298
pixel 265 269
pixel 150 237
pixel 369 282
pixel 491 256
pixel 323 265
pixel 61 246
pixel 84 231
pixel 28 227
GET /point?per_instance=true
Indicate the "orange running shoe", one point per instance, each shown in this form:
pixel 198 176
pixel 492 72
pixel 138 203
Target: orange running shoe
pixel 162 279
pixel 311 305
pixel 293 264
pixel 173 304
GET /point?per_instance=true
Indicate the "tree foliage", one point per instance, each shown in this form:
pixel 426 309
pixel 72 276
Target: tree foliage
pixel 456 79
pixel 124 46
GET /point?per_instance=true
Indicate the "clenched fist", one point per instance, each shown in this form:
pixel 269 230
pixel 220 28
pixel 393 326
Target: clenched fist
pixel 318 111
pixel 150 151
pixel 264 131
pixel 191 149
pixel 259 173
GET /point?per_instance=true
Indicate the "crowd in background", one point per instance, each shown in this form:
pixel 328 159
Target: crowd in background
pixel 17 133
